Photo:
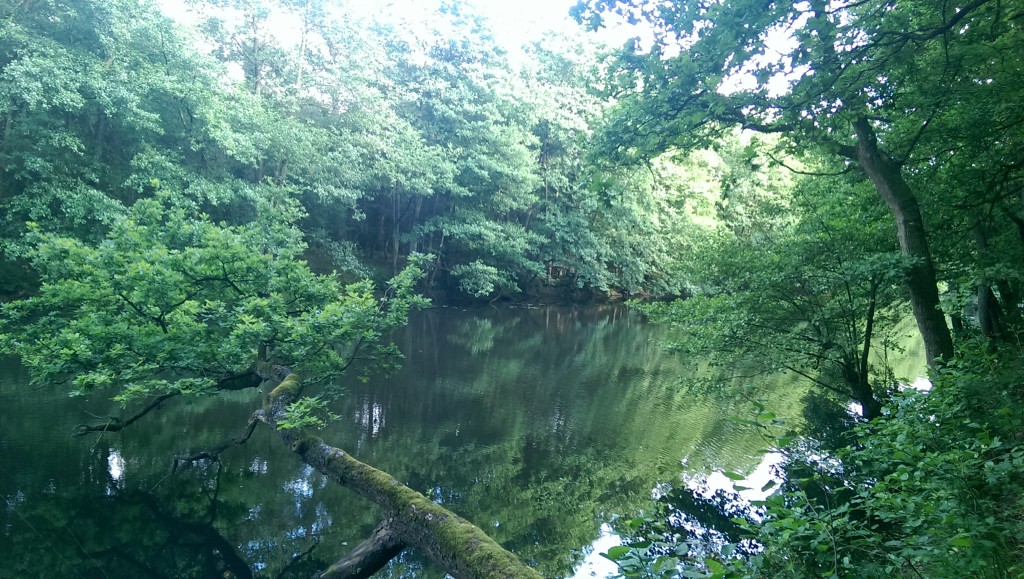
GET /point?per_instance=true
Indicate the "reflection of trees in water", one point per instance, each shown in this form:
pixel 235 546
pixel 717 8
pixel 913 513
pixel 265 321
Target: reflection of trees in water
pixel 696 521
pixel 569 416
pixel 598 421
pixel 478 335
pixel 175 531
pixel 691 523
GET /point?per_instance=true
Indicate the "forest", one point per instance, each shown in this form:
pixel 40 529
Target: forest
pixel 258 197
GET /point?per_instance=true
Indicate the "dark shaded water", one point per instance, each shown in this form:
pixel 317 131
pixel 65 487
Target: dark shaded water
pixel 536 424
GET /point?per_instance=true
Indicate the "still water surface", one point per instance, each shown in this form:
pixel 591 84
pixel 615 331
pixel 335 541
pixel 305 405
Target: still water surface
pixel 537 424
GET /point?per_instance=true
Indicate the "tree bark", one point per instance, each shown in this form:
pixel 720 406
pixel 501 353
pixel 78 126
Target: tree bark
pixel 1009 296
pixel 989 313
pixel 869 403
pixel 395 233
pixel 457 546
pixel 383 545
pixel 414 241
pixel 920 279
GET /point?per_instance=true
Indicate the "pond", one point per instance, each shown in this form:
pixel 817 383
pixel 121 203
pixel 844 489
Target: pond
pixel 537 424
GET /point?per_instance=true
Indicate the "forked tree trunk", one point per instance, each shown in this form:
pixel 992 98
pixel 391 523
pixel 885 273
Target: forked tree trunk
pixel 410 519
pixel 920 279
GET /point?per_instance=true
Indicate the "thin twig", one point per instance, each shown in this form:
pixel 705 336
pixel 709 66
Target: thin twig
pixel 214 453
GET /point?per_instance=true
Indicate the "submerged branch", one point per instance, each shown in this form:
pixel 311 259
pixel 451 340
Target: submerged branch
pixel 457 546
pixel 383 545
pixel 284 572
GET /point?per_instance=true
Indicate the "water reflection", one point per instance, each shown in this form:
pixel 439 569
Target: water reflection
pixel 370 417
pixel 115 466
pixel 537 425
pixel 756 486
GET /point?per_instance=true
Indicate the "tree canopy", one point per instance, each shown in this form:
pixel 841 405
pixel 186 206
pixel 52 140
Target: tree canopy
pixel 878 86
pixel 187 210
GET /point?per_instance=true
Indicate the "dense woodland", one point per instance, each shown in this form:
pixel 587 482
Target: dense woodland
pixel 190 209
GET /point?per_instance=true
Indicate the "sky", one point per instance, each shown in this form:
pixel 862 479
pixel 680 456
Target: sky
pixel 513 22
pixel 518 21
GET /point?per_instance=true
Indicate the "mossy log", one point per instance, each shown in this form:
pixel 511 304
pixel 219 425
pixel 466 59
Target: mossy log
pixel 410 519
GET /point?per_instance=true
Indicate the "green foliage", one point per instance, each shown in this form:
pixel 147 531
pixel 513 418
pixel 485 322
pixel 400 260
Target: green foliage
pixel 479 279
pixel 395 140
pixel 84 86
pixel 815 291
pixel 169 302
pixel 307 412
pixel 927 492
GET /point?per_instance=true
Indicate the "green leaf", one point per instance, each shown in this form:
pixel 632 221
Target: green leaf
pixel 961 541
pixel 616 553
pixel 716 568
pixel 665 564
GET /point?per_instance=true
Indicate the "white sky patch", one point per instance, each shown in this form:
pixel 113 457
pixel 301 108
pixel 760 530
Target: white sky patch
pixel 596 565
pixel 921 384
pixel 779 43
pixel 513 24
pixel 754 481
pixel 115 465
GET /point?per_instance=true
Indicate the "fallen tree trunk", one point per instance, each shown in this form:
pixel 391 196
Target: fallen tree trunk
pixel 410 519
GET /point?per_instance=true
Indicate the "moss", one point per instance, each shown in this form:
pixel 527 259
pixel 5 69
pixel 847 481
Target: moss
pixel 302 444
pixel 483 556
pixel 471 551
pixel 290 386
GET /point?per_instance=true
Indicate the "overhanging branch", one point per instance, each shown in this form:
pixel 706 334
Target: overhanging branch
pixel 783 164
pixel 115 424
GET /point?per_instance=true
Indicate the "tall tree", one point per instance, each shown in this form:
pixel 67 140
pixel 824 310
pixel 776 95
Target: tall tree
pixel 865 81
pixel 800 277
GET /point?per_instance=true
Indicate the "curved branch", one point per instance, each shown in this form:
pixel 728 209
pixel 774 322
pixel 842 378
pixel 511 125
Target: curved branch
pixel 249 379
pixel 810 173
pixel 115 424
pixel 821 383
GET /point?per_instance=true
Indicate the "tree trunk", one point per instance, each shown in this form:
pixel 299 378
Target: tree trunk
pixel 395 233
pixel 414 245
pixel 865 394
pixel 1010 298
pixel 6 130
pixel 455 545
pixel 100 135
pixel 920 279
pixel 301 59
pixel 989 313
